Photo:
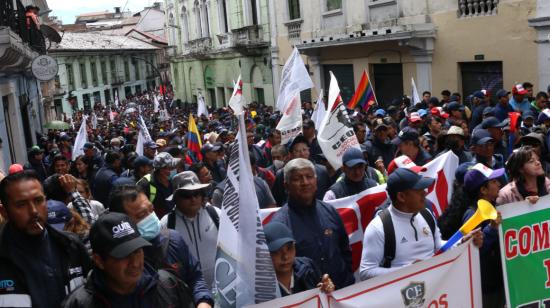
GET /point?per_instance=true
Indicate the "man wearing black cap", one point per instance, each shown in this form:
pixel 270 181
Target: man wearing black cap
pixel 298 147
pixel 411 229
pixel 495 129
pixel 92 157
pixel 408 144
pixel 211 157
pixel 483 147
pixel 478 105
pixel 354 180
pixel 308 127
pixel 502 108
pixel 106 176
pixel 41 264
pixel 36 162
pixel 120 277
pixel 380 147
pixel 150 149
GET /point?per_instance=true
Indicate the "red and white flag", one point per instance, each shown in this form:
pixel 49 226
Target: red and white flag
pixel 236 102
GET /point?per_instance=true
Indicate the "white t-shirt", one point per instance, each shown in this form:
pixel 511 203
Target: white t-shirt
pixel 413 241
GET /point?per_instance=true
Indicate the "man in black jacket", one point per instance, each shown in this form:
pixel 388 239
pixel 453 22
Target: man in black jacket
pixel 120 277
pixel 39 264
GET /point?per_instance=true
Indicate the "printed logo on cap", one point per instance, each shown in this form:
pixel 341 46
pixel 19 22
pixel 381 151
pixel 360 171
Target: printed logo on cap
pixel 486 171
pixel 122 229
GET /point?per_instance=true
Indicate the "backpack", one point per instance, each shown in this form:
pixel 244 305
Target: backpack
pixel 209 209
pixel 389 234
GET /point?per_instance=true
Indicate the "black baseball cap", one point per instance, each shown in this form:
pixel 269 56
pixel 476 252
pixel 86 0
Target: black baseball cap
pixel 492 122
pixel 407 134
pixel 114 234
pixel 404 179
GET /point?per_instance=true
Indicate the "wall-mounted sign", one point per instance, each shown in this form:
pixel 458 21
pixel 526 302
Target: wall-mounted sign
pixel 44 68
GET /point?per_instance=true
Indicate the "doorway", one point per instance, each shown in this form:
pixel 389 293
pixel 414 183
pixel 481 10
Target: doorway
pixel 388 82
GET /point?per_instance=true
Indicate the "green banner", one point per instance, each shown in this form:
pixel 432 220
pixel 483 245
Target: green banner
pixel 525 251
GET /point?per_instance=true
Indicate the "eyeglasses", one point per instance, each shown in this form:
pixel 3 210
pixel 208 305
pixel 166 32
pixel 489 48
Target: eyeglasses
pixel 189 194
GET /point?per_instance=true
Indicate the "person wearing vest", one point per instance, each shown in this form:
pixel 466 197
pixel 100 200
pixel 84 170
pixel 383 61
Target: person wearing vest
pixel 39 265
pixel 196 222
pixel 121 277
pixel 354 180
pixel 157 186
pixel 398 236
pixel 168 249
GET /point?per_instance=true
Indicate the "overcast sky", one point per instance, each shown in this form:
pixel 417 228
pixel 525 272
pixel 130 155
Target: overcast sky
pixel 66 10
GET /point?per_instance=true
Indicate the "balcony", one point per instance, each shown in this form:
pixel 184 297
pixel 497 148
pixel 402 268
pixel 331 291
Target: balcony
pixel 225 40
pixel 170 52
pixel 473 8
pixel 248 36
pixel 294 28
pixel 198 48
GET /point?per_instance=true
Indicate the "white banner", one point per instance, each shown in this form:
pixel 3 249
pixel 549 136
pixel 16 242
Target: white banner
pixel 81 139
pixel 336 134
pixel 290 124
pixel 294 78
pixel 451 279
pixel 244 272
pixel 236 102
pixel 319 112
pixel 156 104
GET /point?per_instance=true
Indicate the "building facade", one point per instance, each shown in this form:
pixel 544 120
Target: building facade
pixel 212 42
pixel 21 108
pixel 461 46
pixel 96 68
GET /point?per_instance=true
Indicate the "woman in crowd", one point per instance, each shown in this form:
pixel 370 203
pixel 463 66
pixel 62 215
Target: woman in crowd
pixel 527 179
pixel 84 190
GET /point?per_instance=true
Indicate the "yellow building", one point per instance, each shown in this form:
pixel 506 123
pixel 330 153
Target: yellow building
pixel 459 45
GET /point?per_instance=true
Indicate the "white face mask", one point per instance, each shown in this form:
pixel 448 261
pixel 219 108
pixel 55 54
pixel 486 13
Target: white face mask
pixel 278 164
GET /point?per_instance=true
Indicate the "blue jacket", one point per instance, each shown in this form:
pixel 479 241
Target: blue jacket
pixel 103 183
pixel 306 276
pixel 323 184
pixel 175 255
pixel 320 235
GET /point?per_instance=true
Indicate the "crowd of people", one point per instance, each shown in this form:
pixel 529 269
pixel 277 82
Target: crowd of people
pixel 115 228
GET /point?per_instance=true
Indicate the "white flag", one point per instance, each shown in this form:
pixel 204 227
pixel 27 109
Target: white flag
pixel 81 139
pixel 94 121
pixel 143 128
pixel 244 270
pixel 202 109
pixel 72 122
pixel 319 112
pixel 236 102
pixel 336 134
pixel 294 78
pixel 156 104
pixel 116 98
pixel 140 142
pixel 111 116
pixel 415 97
pixel 290 124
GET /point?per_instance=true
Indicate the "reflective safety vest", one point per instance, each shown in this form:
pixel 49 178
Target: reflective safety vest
pixel 152 188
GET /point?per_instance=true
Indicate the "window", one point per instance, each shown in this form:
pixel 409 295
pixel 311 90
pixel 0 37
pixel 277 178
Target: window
pixel 224 23
pixel 104 72
pixel 184 25
pixel 84 81
pixel 293 9
pixel 126 70
pixel 136 69
pixel 113 70
pixel 198 20
pixel 334 5
pixel 254 9
pixel 70 76
pixel 93 67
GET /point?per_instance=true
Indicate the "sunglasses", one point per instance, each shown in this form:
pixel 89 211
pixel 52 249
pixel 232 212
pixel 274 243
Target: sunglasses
pixel 189 194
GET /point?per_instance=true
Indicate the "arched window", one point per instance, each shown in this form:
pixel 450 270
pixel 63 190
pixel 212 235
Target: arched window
pixel 184 25
pixel 198 28
pixel 172 30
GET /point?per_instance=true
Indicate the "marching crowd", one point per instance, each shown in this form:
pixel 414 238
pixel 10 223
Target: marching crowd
pixel 114 228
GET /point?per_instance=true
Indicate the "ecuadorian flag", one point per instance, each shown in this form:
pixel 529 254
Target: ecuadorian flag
pixel 364 95
pixel 194 143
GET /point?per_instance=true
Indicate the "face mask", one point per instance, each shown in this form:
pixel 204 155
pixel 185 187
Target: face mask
pixel 149 227
pixel 278 164
pixel 173 173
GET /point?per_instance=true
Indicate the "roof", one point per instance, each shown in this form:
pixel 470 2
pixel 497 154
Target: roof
pixel 154 38
pixel 130 20
pixel 99 41
pixel 92 14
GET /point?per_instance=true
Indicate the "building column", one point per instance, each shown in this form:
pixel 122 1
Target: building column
pixel 315 67
pixel 541 23
pixel 422 51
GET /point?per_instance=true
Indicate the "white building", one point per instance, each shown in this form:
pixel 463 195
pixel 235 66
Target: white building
pixel 95 68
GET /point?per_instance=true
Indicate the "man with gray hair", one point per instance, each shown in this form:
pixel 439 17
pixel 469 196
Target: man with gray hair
pixel 318 229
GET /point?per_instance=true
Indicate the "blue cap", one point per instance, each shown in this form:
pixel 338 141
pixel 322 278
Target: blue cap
pixel 380 113
pixel 479 94
pixel 502 93
pixel 353 157
pixel 481 136
pixel 478 175
pixel 454 98
pixel 528 114
pixel 150 144
pixel 142 161
pixel 492 122
pixel 452 106
pixel 58 214
pixel 404 179
pixel 422 112
pixel 543 116
pixel 406 134
pixel 460 172
pixel 294 141
pixel 488 111
pixel 277 235
pixel 88 146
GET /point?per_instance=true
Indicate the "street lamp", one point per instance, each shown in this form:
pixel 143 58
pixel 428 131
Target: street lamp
pixel 156 71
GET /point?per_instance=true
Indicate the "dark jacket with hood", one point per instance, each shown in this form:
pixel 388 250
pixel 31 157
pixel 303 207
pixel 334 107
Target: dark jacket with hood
pixel 306 276
pixel 19 276
pixel 103 183
pixel 345 187
pixel 154 289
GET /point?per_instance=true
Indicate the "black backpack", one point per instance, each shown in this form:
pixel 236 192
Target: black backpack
pixel 209 209
pixel 389 234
